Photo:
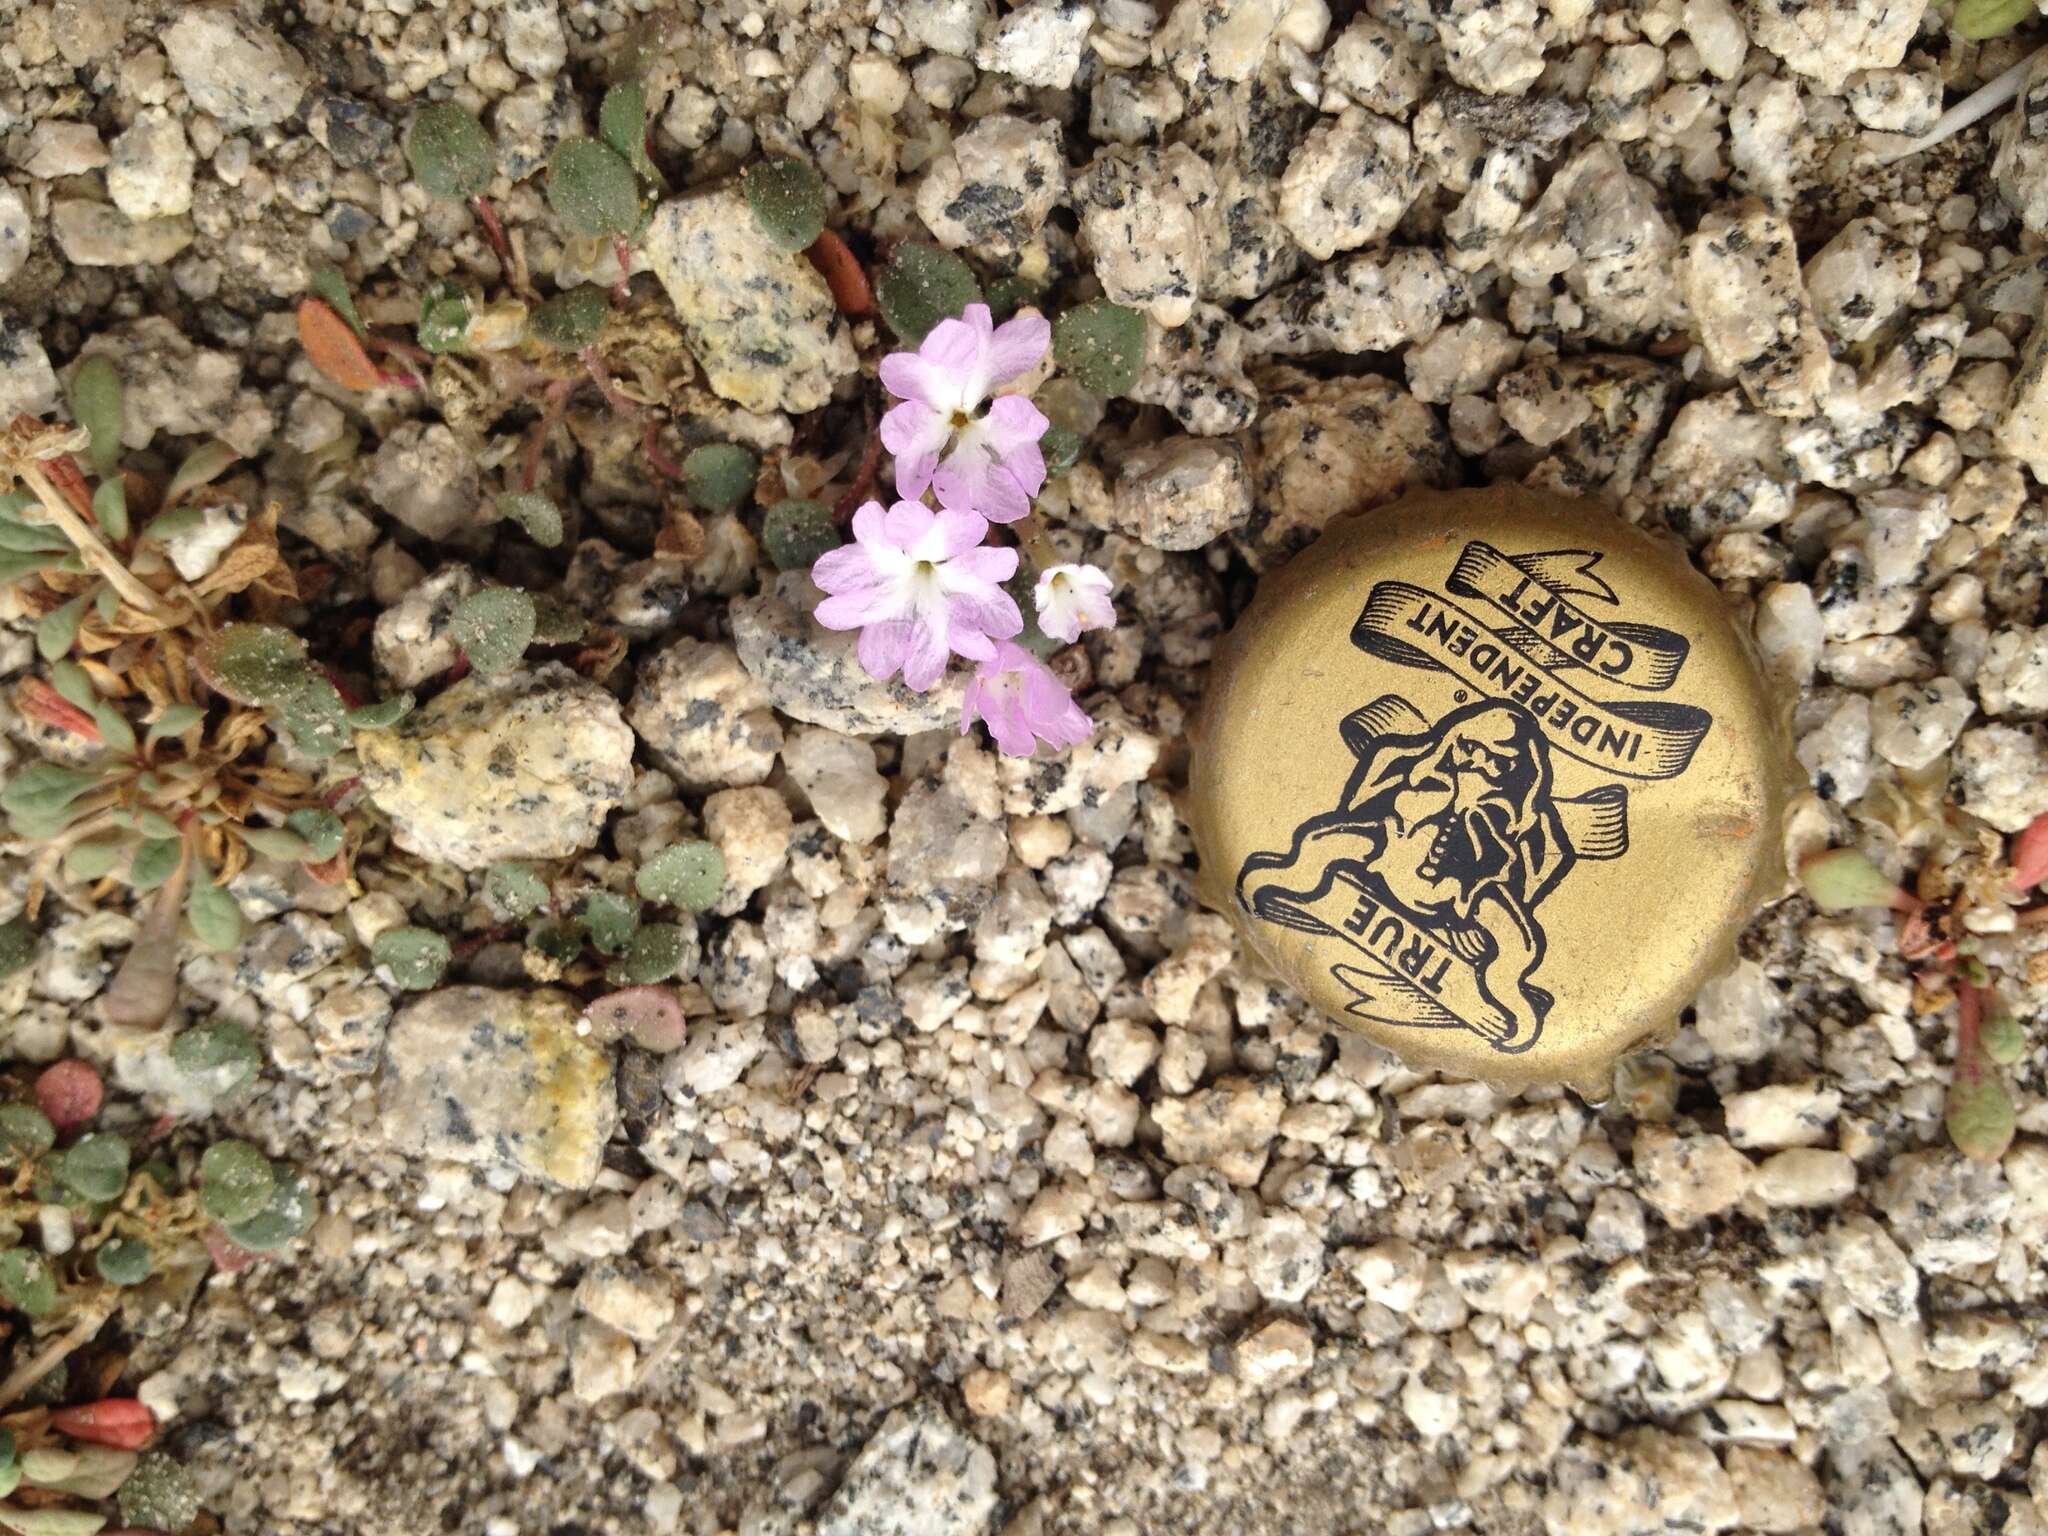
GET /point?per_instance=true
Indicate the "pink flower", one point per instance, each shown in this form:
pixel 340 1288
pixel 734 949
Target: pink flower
pixel 988 463
pixel 1071 598
pixel 919 586
pixel 1022 703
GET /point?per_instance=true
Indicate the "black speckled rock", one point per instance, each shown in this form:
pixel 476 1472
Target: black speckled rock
pixel 526 765
pixel 759 320
pixel 243 74
pixel 813 674
pixel 918 1476
pixel 501 1079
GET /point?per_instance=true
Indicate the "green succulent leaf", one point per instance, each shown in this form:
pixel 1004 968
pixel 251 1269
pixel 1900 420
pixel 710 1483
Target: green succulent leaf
pixel 417 958
pixel 45 790
pixel 1981 20
pixel 123 1261
pixel 176 720
pixel 93 861
pixel 921 286
pixel 788 200
pixel 570 321
pixel 17 946
pixel 1102 345
pixel 719 476
pixel 26 1283
pixel 95 1167
pixel 221 1051
pixel 610 920
pixel 74 685
pixel 2004 1038
pixel 259 664
pixel 535 513
pixel 321 830
pixel 1980 1115
pixel 493 627
pixel 556 622
pixel 592 190
pixel 654 953
pixel 25 1134
pixel 278 843
pixel 315 716
pixel 450 153
pixel 160 1495
pixel 114 728
pixel 110 508
pixel 58 630
pixel 284 1220
pixel 331 288
pixel 444 316
pixel 236 1181
pixel 203 465
pixel 690 876
pixel 382 715
pixel 23 538
pixel 156 859
pixel 622 123
pixel 96 406
pixel 514 890
pixel 14 567
pixel 215 918
pixel 1061 448
pixel 796 532
pixel 1843 879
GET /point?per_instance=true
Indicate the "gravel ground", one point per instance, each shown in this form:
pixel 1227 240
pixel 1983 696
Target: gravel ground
pixel 991 1190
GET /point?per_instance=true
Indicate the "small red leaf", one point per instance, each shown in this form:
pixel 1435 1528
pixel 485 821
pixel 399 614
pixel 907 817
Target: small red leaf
pixel 335 349
pixel 2030 855
pixel 46 706
pixel 842 272
pixel 228 1255
pixel 121 1422
pixel 69 1093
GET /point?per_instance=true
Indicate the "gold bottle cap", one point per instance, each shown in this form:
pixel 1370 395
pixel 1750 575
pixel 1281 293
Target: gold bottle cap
pixel 1494 778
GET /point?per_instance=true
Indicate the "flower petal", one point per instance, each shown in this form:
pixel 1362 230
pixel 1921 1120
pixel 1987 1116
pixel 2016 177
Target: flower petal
pixel 991 565
pixel 926 659
pixel 989 614
pixel 916 434
pixel 883 647
pixel 1017 345
pixel 905 526
pixel 953 533
pixel 956 351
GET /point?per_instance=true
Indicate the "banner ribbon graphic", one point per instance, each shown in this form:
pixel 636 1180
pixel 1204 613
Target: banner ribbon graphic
pixel 1405 974
pixel 1636 738
pixel 1534 592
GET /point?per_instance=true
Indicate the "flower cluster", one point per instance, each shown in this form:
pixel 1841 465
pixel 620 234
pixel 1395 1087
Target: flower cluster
pixel 923 584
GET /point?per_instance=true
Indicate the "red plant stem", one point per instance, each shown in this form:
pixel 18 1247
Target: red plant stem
pixel 404 349
pixel 1969 1031
pixel 614 397
pixel 340 792
pixel 650 444
pixel 493 231
pixel 624 253
pixel 864 477
pixel 557 403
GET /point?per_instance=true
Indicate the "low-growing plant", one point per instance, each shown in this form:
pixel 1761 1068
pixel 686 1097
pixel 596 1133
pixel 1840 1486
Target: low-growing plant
pixel 166 706
pixel 1933 934
pixel 144 1214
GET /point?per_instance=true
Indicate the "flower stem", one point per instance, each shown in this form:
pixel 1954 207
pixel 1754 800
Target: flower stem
pixel 493 230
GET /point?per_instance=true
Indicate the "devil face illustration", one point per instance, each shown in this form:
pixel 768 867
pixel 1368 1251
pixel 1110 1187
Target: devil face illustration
pixel 1455 828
